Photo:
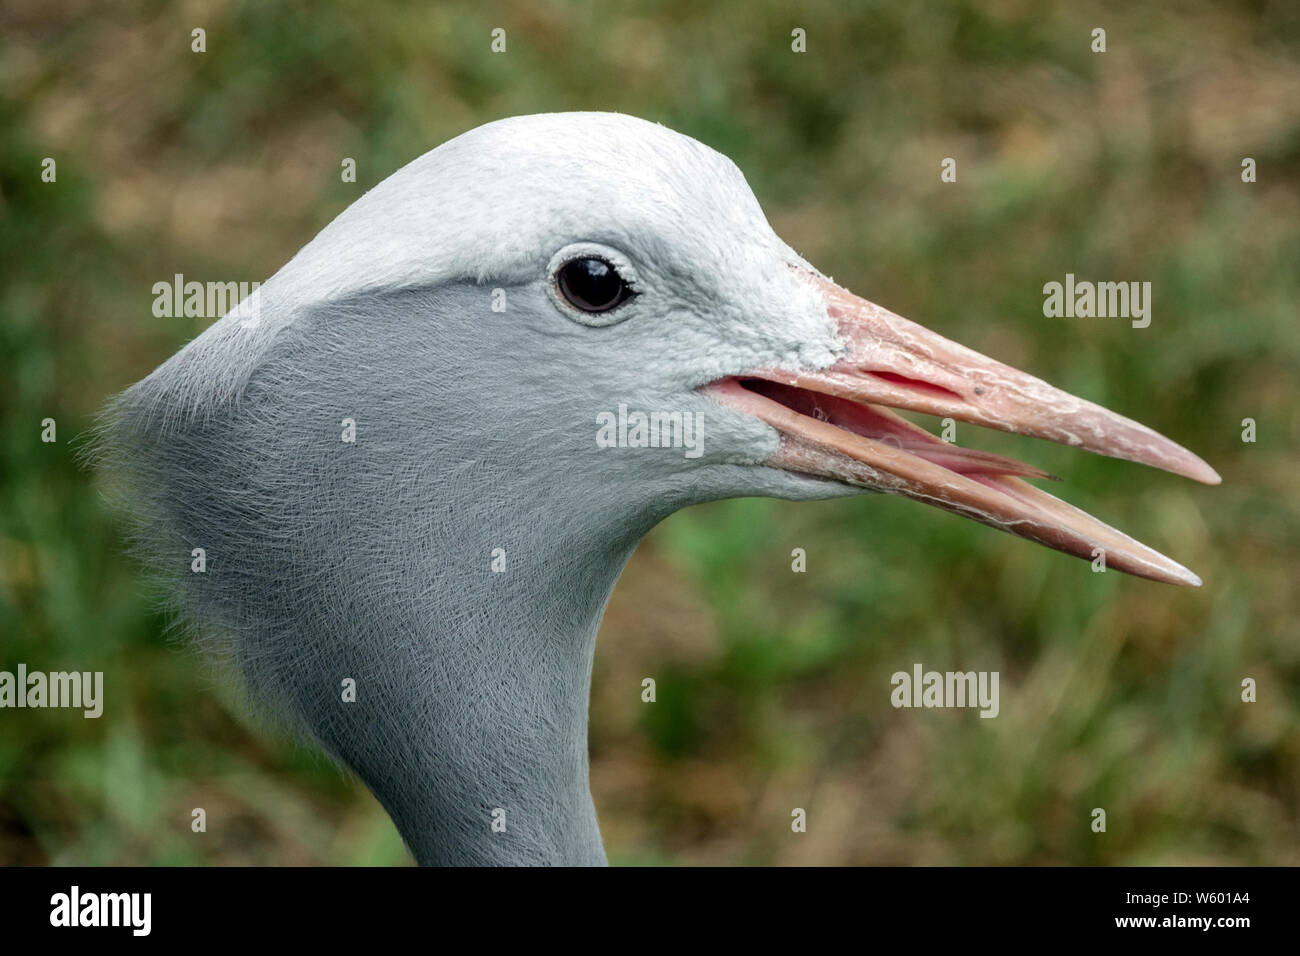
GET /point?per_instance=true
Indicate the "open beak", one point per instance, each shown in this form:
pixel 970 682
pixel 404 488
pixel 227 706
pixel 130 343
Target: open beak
pixel 836 423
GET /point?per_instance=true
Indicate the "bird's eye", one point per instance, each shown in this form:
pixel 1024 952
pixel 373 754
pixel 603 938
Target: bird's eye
pixel 592 284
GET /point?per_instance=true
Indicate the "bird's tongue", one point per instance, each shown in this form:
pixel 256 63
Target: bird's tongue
pixel 835 426
pixel 873 421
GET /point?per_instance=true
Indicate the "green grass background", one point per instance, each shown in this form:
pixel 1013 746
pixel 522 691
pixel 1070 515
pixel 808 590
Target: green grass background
pixel 773 687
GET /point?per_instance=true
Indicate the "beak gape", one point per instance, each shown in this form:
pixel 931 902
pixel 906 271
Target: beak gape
pixel 836 423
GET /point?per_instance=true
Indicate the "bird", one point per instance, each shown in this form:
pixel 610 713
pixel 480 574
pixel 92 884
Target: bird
pixel 417 459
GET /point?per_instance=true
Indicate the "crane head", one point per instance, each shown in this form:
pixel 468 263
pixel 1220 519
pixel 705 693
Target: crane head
pixel 674 298
pixel 590 313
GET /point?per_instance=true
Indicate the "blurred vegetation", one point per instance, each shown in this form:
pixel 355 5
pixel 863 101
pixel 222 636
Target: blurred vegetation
pixel 773 687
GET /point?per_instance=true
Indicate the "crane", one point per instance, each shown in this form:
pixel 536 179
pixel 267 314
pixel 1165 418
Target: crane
pixel 417 463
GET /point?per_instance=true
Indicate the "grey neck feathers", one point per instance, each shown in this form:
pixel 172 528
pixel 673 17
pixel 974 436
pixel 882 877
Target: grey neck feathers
pixel 372 561
pixel 470 723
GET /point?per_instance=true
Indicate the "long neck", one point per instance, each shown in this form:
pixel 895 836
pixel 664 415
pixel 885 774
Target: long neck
pixel 472 691
pixel 493 759
pixel 497 754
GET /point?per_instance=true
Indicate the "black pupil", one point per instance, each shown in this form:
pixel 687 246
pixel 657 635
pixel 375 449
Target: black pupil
pixel 592 284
